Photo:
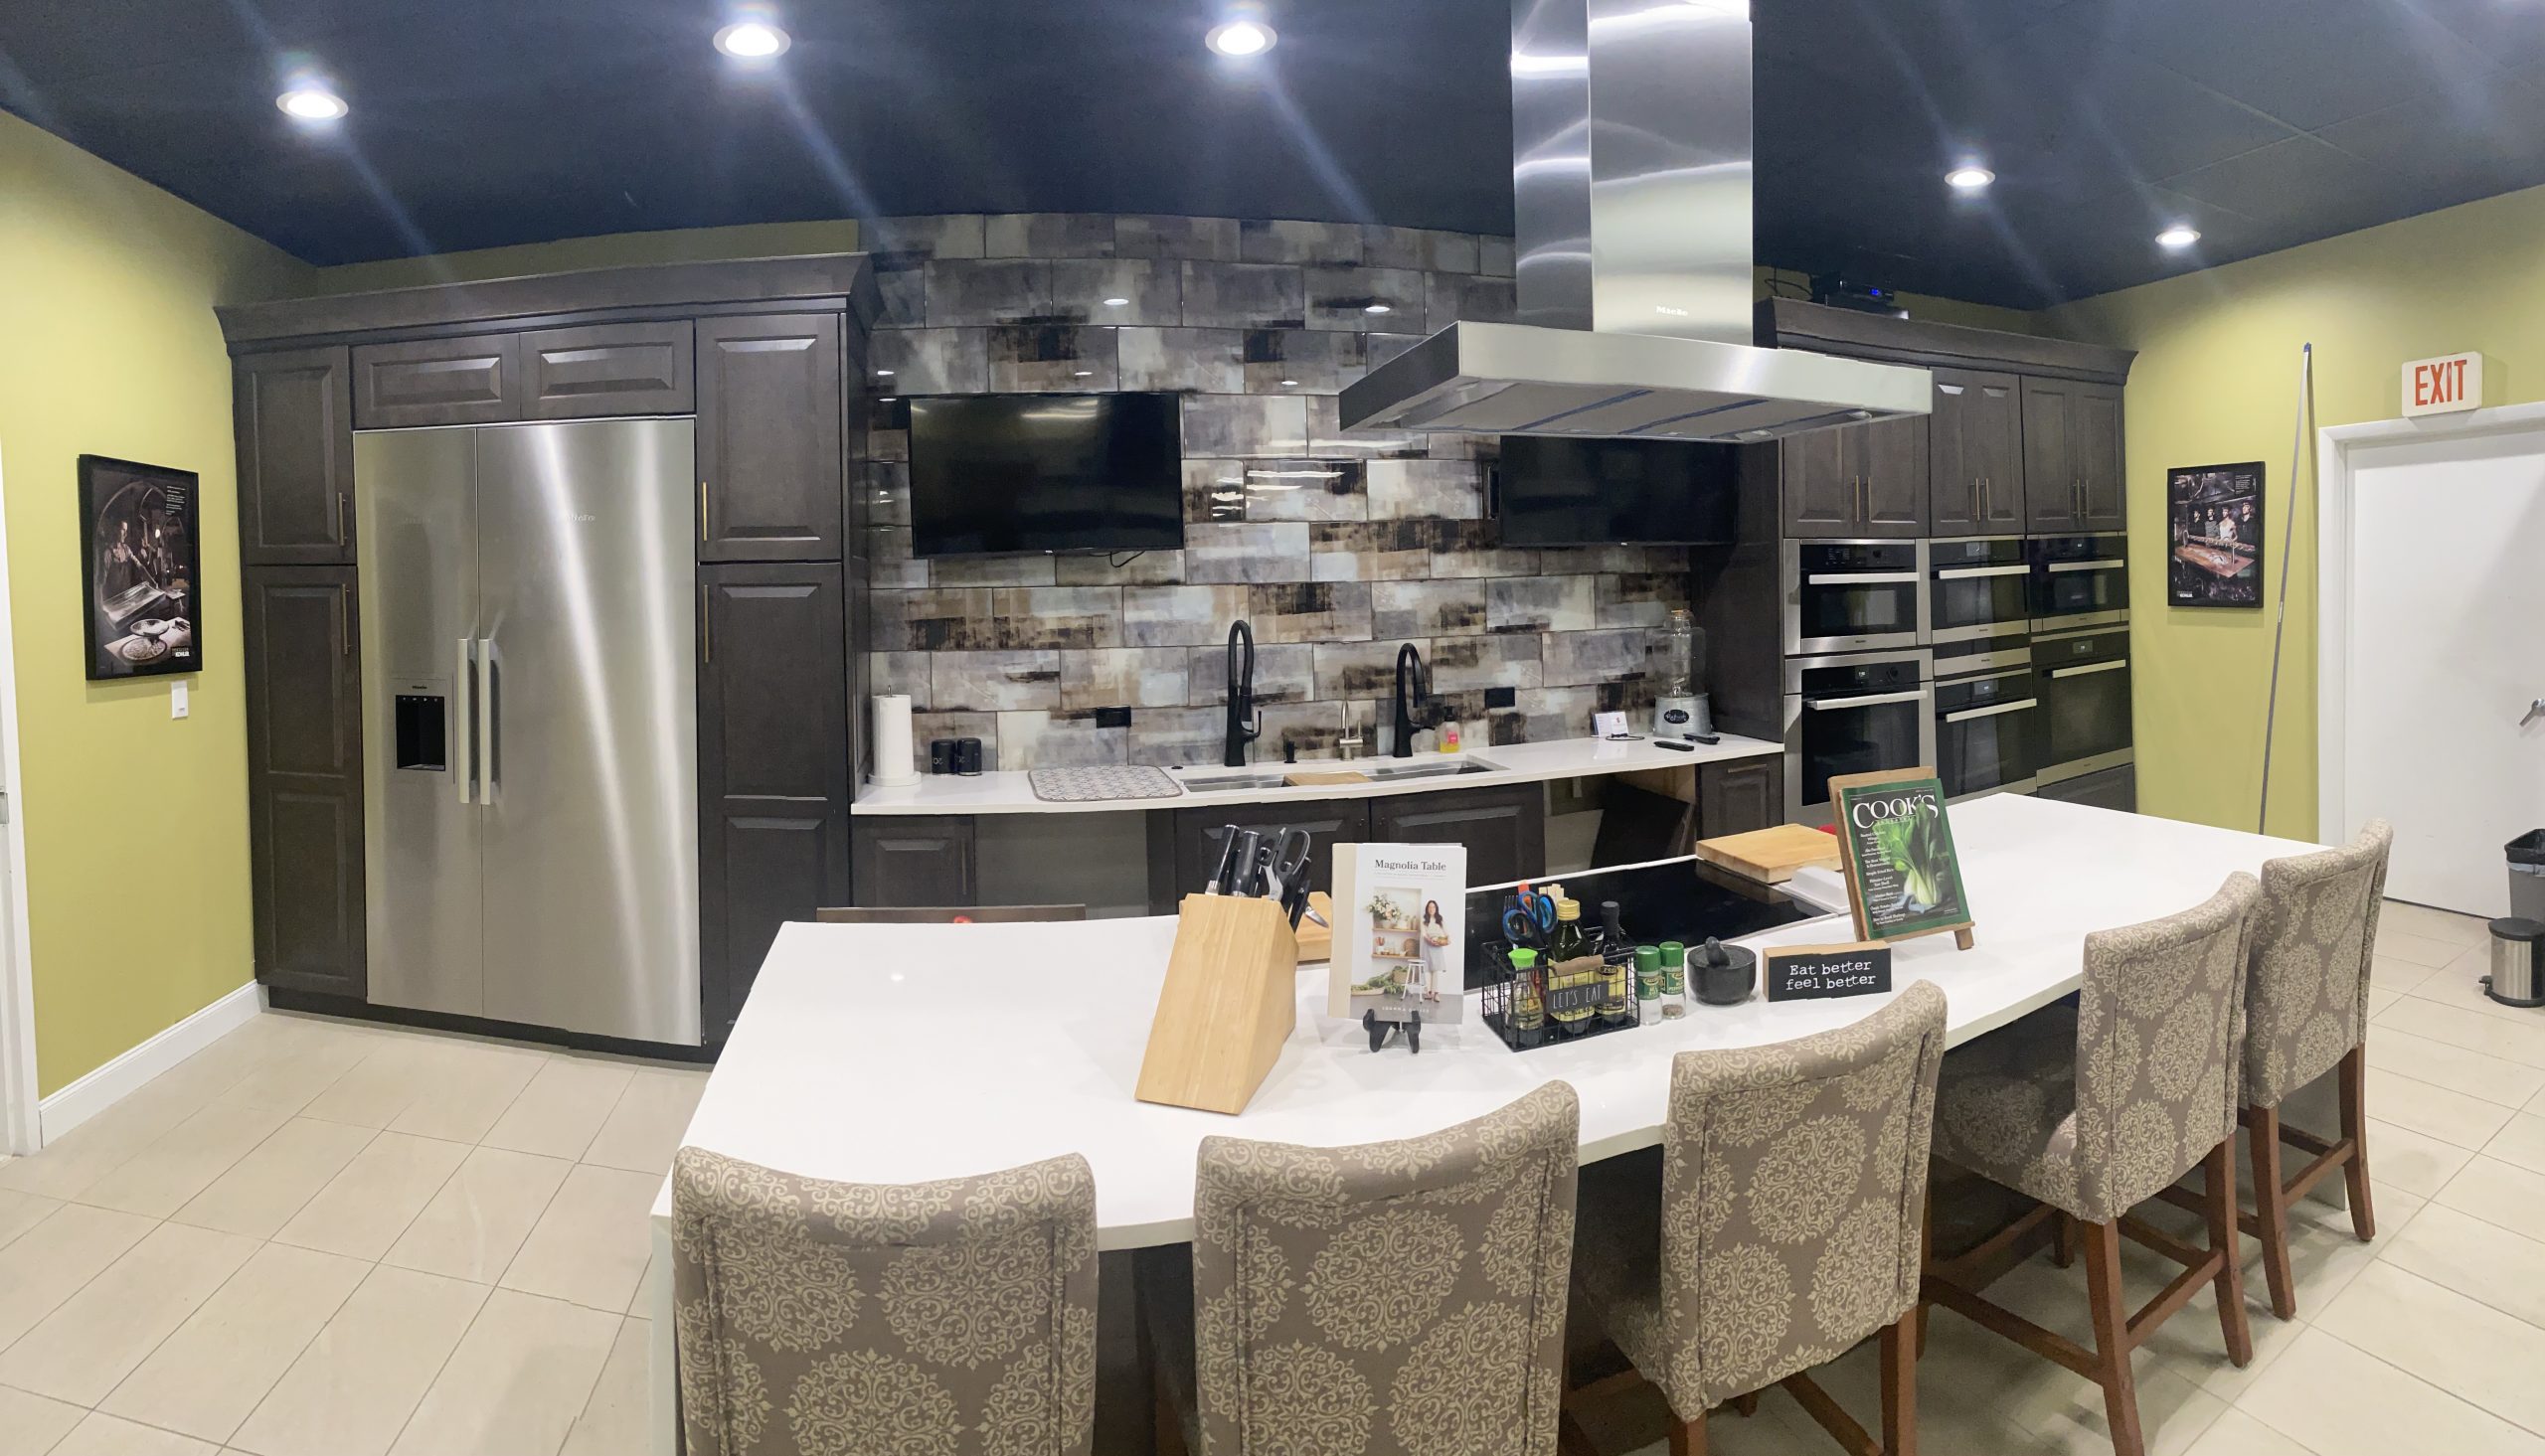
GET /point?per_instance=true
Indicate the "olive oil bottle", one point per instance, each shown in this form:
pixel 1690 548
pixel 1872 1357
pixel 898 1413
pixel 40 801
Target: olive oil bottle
pixel 1574 989
pixel 1616 970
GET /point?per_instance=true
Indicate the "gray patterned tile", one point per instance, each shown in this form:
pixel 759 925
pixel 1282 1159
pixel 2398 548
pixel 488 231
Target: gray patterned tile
pixel 1341 298
pixel 1164 738
pixel 931 362
pixel 1607 656
pixel 1641 598
pixel 1547 714
pixel 1309 611
pixel 1142 569
pixel 1372 551
pixel 1294 490
pixel 1441 490
pixel 888 425
pixel 1327 437
pixel 1304 360
pixel 993 682
pixel 1032 569
pixel 1152 291
pixel 927 727
pixel 1288 242
pixel 1050 359
pixel 1059 616
pixel 1123 677
pixel 1359 669
pixel 1185 361
pixel 1214 490
pixel 1311 727
pixel 1212 240
pixel 1244 296
pixel 1284 671
pixel 901 672
pixel 1427 608
pixel 955 235
pixel 1046 235
pixel 1472 548
pixel 903 292
pixel 1059 741
pixel 1472 664
pixel 1226 427
pixel 1181 617
pixel 995 292
pixel 936 620
pixel 1384 246
pixel 887 498
pixel 1463 299
pixel 1246 552
pixel 1541 604
pixel 1448 252
pixel 1493 256
pixel 888 559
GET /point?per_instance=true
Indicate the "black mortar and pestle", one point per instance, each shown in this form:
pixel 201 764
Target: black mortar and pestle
pixel 1720 974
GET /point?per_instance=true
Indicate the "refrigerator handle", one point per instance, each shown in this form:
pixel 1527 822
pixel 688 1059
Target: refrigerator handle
pixel 489 748
pixel 466 761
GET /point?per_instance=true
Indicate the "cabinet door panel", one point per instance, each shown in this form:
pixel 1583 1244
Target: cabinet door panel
pixel 768 439
pixel 1819 472
pixel 2096 444
pixel 910 862
pixel 603 369
pixel 293 413
pixel 1740 797
pixel 1894 471
pixel 1199 834
pixel 1504 829
pixel 467 381
pixel 773 767
pixel 304 779
pixel 2050 457
pixel 1992 442
pixel 1953 477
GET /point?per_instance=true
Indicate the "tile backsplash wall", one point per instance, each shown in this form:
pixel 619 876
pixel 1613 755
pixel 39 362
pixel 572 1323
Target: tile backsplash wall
pixel 1337 548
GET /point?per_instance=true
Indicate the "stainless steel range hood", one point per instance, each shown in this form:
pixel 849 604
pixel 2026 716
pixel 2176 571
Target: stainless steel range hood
pixel 1630 162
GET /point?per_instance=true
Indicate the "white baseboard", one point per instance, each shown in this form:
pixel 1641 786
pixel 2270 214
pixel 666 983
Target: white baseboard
pixel 122 1078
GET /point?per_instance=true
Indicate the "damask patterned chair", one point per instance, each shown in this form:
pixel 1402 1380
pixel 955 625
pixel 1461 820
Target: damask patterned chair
pixel 1786 1226
pixel 836 1319
pixel 2097 1107
pixel 1403 1297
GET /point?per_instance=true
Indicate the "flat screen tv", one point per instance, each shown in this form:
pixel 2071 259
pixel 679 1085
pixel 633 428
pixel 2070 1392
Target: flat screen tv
pixel 1566 492
pixel 1046 473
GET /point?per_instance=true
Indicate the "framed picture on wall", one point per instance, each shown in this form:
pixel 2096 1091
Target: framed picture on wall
pixel 2214 516
pixel 140 562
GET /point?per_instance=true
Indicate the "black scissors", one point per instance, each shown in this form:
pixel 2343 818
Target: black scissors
pixel 1529 920
pixel 1285 873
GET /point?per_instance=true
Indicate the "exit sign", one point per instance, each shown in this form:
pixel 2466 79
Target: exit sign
pixel 2439 386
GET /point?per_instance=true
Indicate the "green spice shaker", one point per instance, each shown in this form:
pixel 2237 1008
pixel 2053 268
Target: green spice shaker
pixel 1648 981
pixel 1674 969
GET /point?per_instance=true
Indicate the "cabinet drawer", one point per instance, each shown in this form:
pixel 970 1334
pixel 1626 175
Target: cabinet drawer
pixel 604 370
pixel 470 381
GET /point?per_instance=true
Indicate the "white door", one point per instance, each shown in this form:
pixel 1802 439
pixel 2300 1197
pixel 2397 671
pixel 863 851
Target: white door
pixel 2445 658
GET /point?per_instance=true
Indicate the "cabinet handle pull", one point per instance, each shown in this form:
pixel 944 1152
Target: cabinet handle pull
pixel 702 513
pixel 706 625
pixel 344 508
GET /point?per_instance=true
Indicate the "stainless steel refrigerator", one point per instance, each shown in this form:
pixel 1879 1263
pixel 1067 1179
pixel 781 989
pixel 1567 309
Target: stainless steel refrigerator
pixel 530 724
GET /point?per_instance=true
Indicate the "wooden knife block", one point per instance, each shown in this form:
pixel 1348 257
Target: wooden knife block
pixel 1229 1001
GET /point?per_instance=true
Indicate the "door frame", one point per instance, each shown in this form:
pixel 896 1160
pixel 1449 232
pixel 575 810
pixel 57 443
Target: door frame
pixel 20 1130
pixel 2335 502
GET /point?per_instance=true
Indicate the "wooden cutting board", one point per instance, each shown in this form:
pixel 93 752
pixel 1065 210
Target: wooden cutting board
pixel 1316 942
pixel 1772 856
pixel 1319 778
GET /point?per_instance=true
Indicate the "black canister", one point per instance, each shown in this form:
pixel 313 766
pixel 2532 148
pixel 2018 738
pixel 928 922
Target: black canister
pixel 1722 975
pixel 967 758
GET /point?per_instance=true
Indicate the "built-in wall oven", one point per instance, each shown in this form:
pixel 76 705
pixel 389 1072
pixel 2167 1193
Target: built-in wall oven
pixel 1990 726
pixel 1853 596
pixel 2079 582
pixel 2083 682
pixel 1977 587
pixel 1854 712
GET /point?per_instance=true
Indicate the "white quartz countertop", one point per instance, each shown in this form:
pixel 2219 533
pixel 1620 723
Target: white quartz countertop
pixel 1011 792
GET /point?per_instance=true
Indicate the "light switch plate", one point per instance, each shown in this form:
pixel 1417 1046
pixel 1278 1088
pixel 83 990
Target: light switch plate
pixel 177 705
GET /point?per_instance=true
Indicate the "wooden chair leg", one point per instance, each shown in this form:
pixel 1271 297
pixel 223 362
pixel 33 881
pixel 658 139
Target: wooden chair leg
pixel 1925 1265
pixel 1571 1439
pixel 1900 1386
pixel 1748 1405
pixel 2063 1241
pixel 2112 1338
pixel 2271 1210
pixel 2354 1097
pixel 1688 1437
pixel 2220 1209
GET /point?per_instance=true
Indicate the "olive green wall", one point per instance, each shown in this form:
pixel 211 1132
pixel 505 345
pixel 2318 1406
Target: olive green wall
pixel 2217 382
pixel 137 826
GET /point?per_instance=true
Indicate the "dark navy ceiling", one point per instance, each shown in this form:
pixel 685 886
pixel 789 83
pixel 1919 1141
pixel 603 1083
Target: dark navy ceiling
pixel 478 122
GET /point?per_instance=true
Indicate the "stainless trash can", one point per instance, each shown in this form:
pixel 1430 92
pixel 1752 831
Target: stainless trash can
pixel 2518 963
pixel 2528 875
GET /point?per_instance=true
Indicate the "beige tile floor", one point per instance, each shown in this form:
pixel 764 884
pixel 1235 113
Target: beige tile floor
pixel 317 1239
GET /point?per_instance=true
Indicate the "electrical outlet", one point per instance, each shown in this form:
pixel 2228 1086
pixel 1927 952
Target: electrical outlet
pixel 177 705
pixel 1501 696
pixel 1113 718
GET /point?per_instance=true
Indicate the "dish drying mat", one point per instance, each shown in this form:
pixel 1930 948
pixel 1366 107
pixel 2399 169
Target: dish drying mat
pixel 1115 781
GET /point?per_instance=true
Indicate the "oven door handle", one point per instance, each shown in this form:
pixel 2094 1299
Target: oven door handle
pixel 1965 573
pixel 1991 711
pixel 2089 668
pixel 1877 700
pixel 1861 578
pixel 2107 563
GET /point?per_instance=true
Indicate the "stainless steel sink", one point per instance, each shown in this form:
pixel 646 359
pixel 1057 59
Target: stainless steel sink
pixel 1383 770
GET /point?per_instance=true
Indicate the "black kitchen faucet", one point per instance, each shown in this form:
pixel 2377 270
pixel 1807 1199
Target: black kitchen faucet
pixel 1246 724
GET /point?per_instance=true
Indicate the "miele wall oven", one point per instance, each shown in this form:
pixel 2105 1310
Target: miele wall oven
pixel 2079 582
pixel 1853 596
pixel 2083 682
pixel 1990 730
pixel 1853 714
pixel 1977 587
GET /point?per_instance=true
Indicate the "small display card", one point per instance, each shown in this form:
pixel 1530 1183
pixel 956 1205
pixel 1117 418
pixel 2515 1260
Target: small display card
pixel 1399 932
pixel 1818 972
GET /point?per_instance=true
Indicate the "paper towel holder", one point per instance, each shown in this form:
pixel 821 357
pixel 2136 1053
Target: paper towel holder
pixel 895 765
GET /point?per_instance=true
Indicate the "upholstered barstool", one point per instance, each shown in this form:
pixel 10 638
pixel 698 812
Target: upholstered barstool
pixel 1391 1297
pixel 1785 1227
pixel 817 1319
pixel 2094 1108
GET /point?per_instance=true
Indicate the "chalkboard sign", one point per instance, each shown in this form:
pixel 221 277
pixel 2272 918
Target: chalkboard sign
pixel 1904 876
pixel 1817 972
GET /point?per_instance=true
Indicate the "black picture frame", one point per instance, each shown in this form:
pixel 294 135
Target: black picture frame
pixel 140 568
pixel 2214 528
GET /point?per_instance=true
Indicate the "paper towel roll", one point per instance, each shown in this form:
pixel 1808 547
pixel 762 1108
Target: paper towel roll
pixel 895 765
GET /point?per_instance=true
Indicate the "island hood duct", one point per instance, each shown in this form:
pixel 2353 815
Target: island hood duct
pixel 1630 160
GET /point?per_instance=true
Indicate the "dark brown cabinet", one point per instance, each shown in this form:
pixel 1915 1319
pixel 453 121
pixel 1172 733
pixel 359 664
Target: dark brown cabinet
pixel 1199 832
pixel 304 778
pixel 2102 488
pixel 912 860
pixel 768 439
pixel 1504 829
pixel 474 379
pixel 604 370
pixel 292 412
pixel 1819 478
pixel 1865 480
pixel 1740 797
pixel 2073 477
pixel 774 758
pixel 1976 459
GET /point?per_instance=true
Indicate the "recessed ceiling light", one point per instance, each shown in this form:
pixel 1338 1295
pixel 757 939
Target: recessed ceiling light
pixel 2178 236
pixel 753 39
pixel 311 103
pixel 1117 304
pixel 1243 34
pixel 1377 308
pixel 1968 177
